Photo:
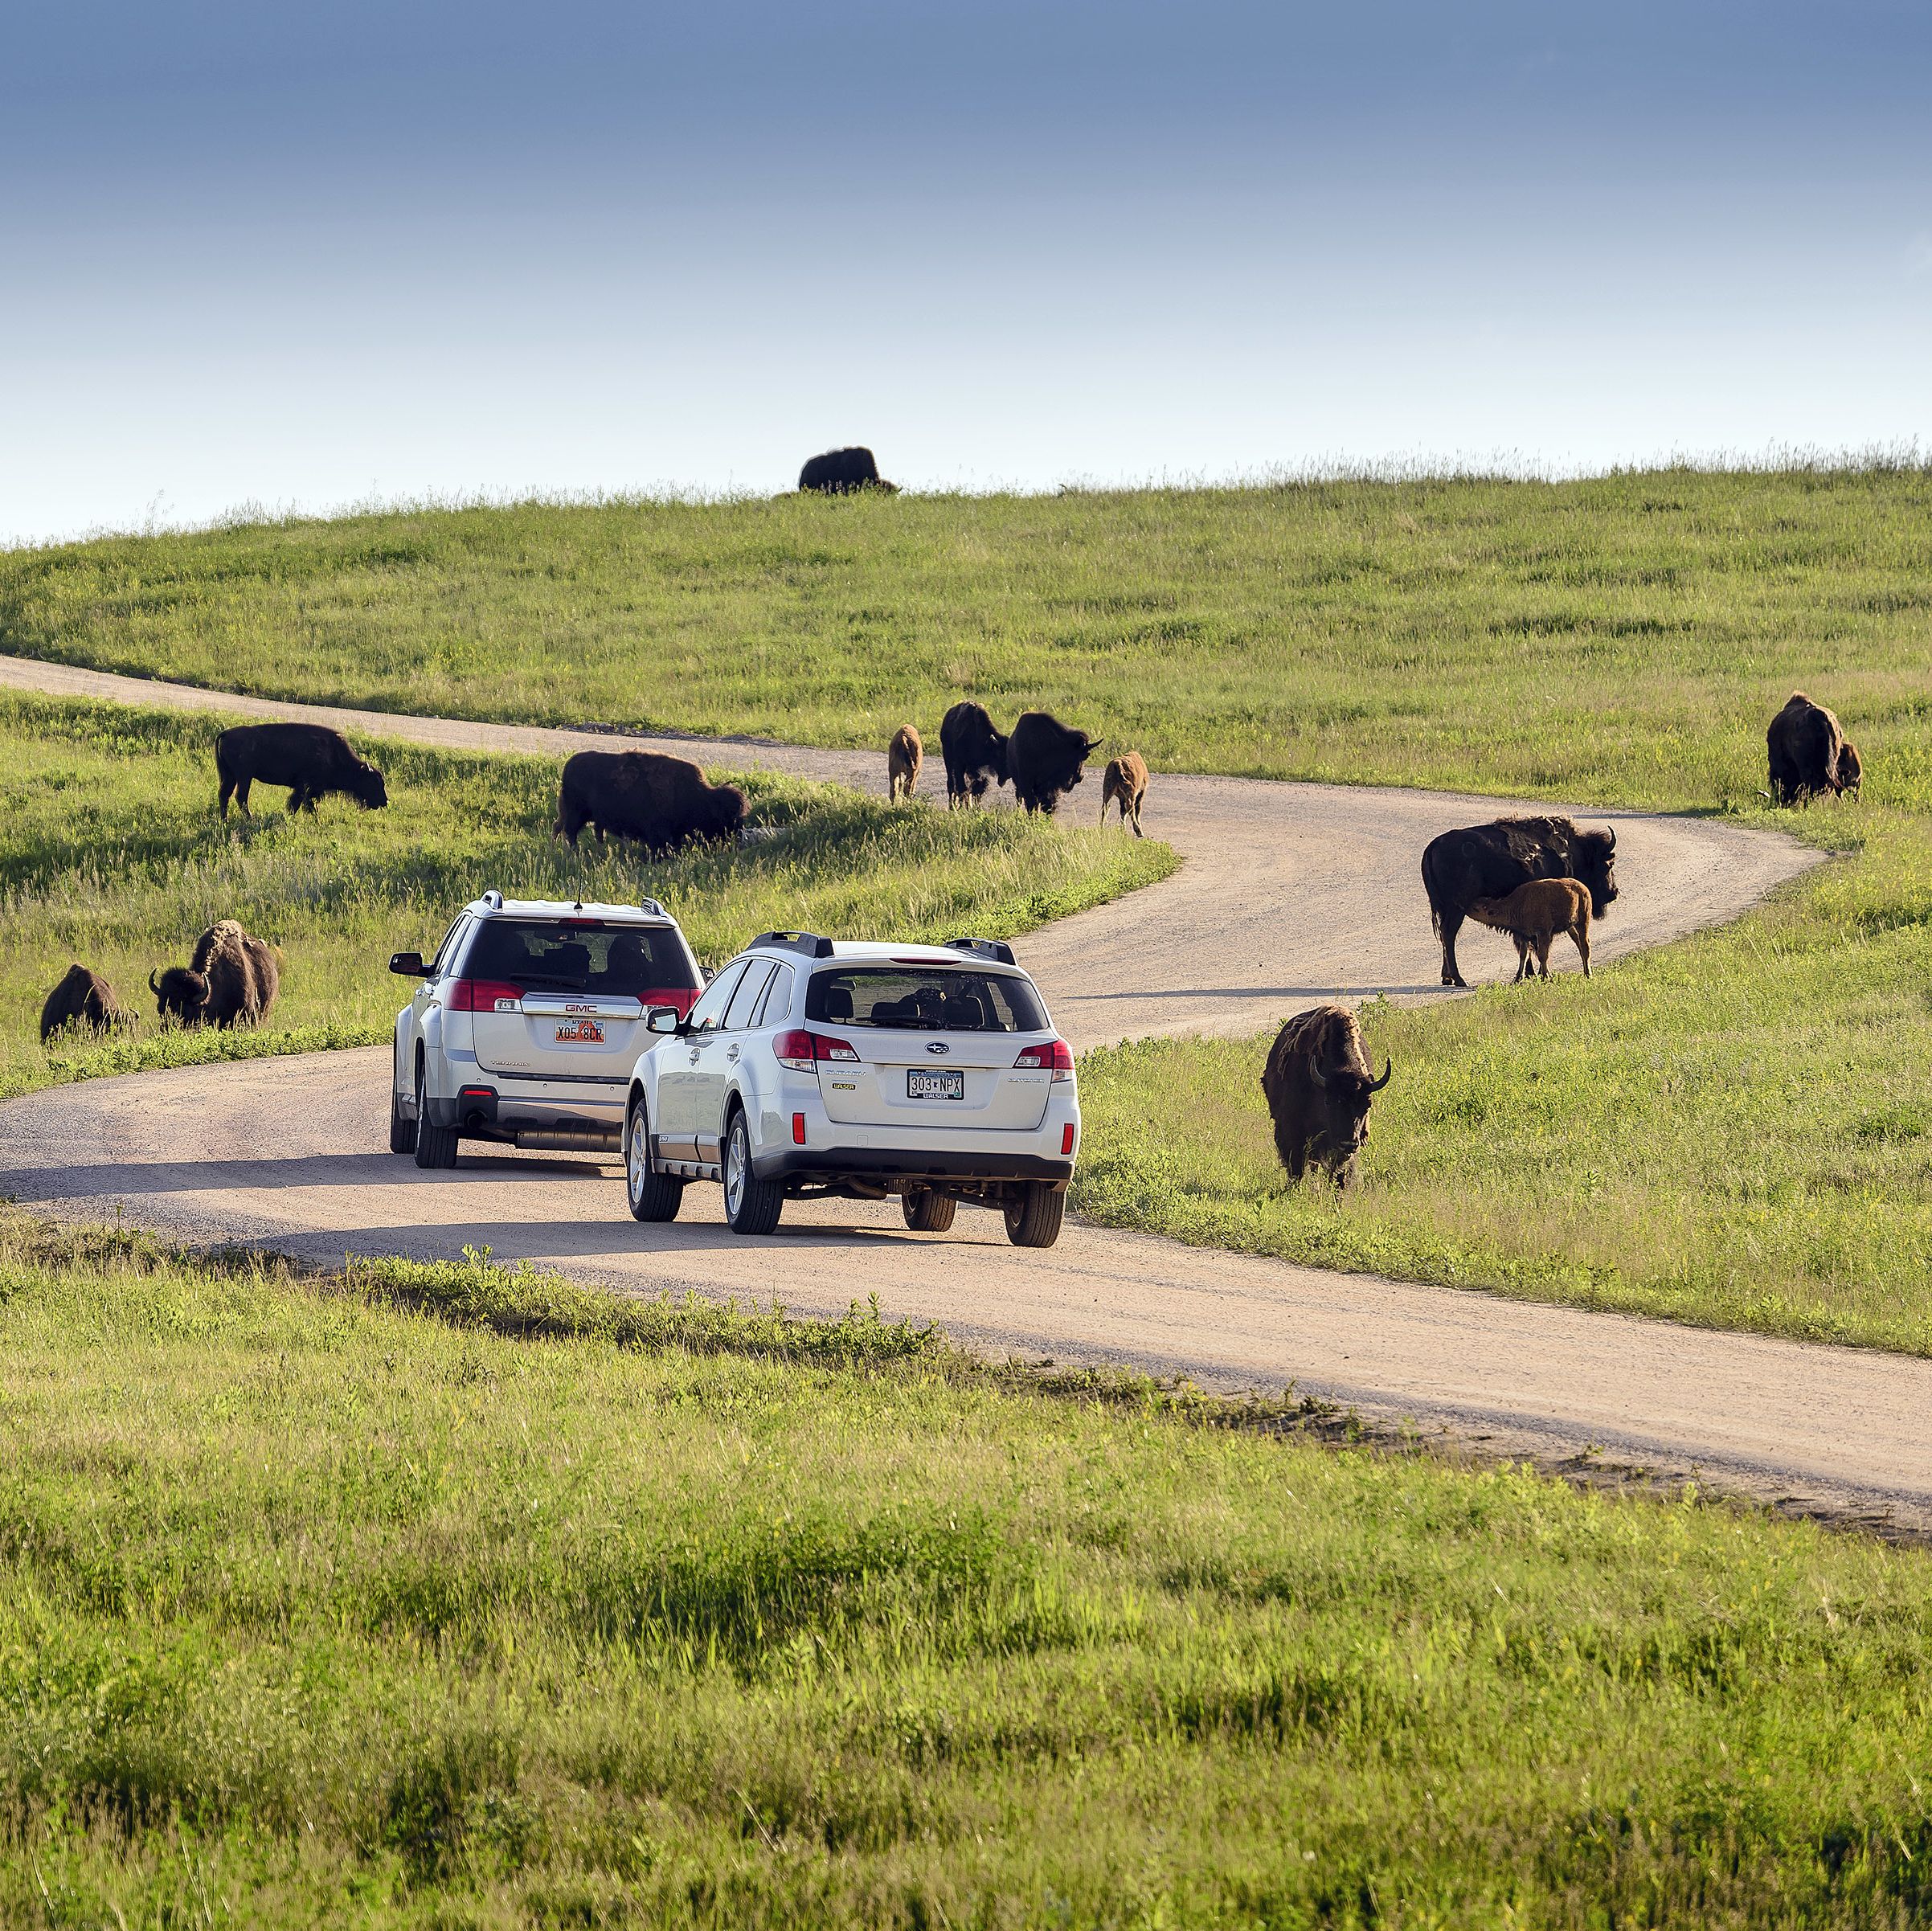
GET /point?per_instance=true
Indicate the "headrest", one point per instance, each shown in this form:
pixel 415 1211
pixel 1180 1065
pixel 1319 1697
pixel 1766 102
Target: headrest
pixel 838 1002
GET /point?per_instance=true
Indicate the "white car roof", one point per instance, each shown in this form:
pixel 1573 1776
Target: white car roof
pixel 872 951
pixel 493 906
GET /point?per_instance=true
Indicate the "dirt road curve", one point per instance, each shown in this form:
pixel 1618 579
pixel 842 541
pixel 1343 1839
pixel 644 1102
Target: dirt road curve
pixel 1289 893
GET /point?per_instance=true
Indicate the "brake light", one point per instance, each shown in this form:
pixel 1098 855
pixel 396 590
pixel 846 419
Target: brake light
pixel 683 997
pixel 802 1051
pixel 481 995
pixel 1066 1139
pixel 1052 1056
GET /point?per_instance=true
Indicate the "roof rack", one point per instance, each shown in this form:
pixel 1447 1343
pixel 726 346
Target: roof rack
pixel 808 943
pixel 986 948
pixel 494 900
pixel 651 906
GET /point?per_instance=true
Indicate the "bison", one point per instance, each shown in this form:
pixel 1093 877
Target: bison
pixel 311 759
pixel 840 471
pixel 660 801
pixel 975 753
pixel 1851 768
pixel 84 1001
pixel 1125 784
pixel 1044 757
pixel 1806 748
pixel 1318 1087
pixel 904 757
pixel 1491 860
pixel 231 980
pixel 1532 915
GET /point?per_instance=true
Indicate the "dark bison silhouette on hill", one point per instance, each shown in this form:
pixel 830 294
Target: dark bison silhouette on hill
pixel 840 471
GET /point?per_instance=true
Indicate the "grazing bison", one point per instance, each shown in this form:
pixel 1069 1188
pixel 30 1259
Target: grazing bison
pixel 660 801
pixel 85 1001
pixel 1491 860
pixel 975 753
pixel 905 756
pixel 311 759
pixel 1806 750
pixel 1532 915
pixel 231 980
pixel 840 471
pixel 1044 757
pixel 1319 1087
pixel 1125 785
pixel 1851 768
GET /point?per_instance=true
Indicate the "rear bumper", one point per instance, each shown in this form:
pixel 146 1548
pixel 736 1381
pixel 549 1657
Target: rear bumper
pixel 834 1163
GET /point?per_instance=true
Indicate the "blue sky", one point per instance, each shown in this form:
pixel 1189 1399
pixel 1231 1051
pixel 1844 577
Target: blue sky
pixel 302 256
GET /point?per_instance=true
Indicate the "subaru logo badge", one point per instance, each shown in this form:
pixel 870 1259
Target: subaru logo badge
pixel 937 1045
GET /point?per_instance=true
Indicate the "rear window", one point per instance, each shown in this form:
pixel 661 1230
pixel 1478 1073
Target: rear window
pixel 580 956
pixel 932 999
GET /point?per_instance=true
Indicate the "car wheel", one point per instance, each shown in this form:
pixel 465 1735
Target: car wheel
pixel 751 1205
pixel 926 1212
pixel 652 1196
pixel 436 1146
pixel 1033 1212
pixel 401 1132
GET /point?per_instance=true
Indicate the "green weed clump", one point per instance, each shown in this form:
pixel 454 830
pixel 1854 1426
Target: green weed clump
pixel 435 1596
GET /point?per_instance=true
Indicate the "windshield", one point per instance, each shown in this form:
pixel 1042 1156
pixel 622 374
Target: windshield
pixel 581 955
pixel 925 998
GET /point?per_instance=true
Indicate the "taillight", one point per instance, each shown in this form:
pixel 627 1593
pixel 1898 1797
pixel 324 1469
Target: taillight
pixel 683 997
pixel 1051 1055
pixel 801 1050
pixel 481 995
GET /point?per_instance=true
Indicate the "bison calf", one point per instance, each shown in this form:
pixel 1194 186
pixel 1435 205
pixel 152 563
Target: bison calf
pixel 84 1001
pixel 311 759
pixel 904 757
pixel 231 980
pixel 1318 1087
pixel 1125 784
pixel 1532 915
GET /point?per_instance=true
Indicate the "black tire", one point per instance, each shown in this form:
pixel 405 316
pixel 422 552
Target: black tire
pixel 434 1146
pixel 926 1212
pixel 650 1197
pixel 401 1132
pixel 1033 1212
pixel 751 1205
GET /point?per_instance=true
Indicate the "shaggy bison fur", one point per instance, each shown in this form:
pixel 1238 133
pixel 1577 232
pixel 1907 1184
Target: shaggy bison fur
pixel 84 1001
pixel 1491 860
pixel 311 759
pixel 1318 1087
pixel 975 753
pixel 1044 757
pixel 231 981
pixel 1532 915
pixel 840 471
pixel 1806 749
pixel 660 801
pixel 1125 784
pixel 904 757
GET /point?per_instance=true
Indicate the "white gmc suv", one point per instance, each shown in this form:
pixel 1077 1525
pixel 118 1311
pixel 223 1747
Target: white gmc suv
pixel 524 1026
pixel 811 1068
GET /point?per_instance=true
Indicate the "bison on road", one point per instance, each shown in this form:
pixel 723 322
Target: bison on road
pixel 660 801
pixel 311 759
pixel 905 755
pixel 1491 860
pixel 84 1001
pixel 1044 757
pixel 1806 749
pixel 1318 1087
pixel 976 754
pixel 1532 915
pixel 840 471
pixel 1125 784
pixel 231 980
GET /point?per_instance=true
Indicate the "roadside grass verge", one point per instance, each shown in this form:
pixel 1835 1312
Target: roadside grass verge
pixel 317 1609
pixel 111 854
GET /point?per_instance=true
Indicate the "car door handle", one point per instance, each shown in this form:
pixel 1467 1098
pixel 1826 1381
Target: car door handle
pixel 731 1053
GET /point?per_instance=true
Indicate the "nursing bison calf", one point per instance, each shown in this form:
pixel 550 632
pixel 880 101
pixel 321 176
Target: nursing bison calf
pixel 1318 1085
pixel 975 753
pixel 84 1001
pixel 1532 915
pixel 1808 753
pixel 1491 860
pixel 660 801
pixel 1125 784
pixel 311 759
pixel 231 981
pixel 904 757
pixel 1045 757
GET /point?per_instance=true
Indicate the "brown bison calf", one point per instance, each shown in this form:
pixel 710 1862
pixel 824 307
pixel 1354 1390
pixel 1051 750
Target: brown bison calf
pixel 1532 915
pixel 1125 785
pixel 1318 1087
pixel 904 756
pixel 84 1001
pixel 231 980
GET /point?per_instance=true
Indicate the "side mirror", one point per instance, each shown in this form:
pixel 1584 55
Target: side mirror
pixel 663 1019
pixel 408 965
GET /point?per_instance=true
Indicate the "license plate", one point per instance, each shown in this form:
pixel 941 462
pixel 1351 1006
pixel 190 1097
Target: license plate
pixel 580 1033
pixel 935 1086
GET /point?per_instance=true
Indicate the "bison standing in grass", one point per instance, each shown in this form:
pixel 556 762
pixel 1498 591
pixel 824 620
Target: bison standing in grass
pixel 311 759
pixel 660 801
pixel 1806 750
pixel 84 1001
pixel 1491 860
pixel 905 755
pixel 1125 784
pixel 1045 758
pixel 840 471
pixel 231 980
pixel 1318 1087
pixel 1532 915
pixel 975 752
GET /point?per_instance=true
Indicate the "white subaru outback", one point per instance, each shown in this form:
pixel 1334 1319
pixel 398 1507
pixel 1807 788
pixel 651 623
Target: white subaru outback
pixel 811 1068
pixel 525 1025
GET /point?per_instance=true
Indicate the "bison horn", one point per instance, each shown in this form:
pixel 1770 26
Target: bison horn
pixel 1376 1086
pixel 1612 836
pixel 1315 1073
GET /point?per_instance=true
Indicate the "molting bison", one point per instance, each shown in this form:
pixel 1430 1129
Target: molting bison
pixel 840 471
pixel 1318 1087
pixel 904 757
pixel 1532 915
pixel 1806 750
pixel 1491 860
pixel 1045 757
pixel 85 1001
pixel 231 980
pixel 660 801
pixel 976 754
pixel 311 759
pixel 1125 784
